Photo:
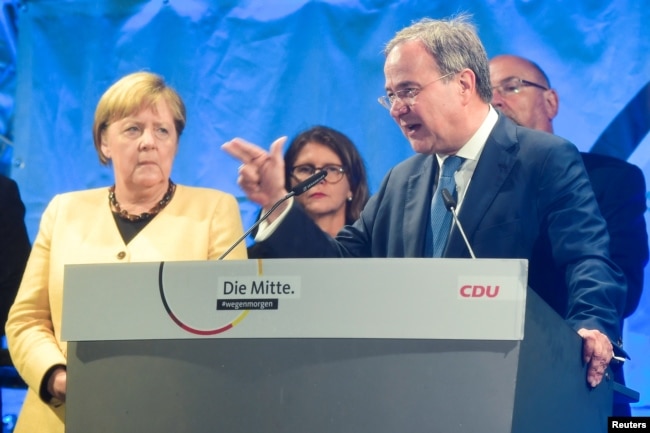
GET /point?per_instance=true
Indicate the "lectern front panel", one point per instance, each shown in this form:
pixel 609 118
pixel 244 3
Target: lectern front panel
pixel 292 386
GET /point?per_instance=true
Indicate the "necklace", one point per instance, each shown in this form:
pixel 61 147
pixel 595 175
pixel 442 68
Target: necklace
pixel 146 215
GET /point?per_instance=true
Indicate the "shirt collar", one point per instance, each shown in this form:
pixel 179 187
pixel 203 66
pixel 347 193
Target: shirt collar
pixel 473 148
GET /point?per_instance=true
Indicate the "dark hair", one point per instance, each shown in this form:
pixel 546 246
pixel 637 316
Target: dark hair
pixel 350 159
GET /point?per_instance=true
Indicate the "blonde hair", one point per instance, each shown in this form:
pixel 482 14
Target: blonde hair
pixel 131 94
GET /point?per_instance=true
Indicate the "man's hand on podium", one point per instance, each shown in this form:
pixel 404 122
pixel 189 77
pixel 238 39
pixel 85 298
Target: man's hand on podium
pixel 597 352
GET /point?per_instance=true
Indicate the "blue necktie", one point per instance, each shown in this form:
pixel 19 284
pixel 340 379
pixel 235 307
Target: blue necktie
pixel 440 216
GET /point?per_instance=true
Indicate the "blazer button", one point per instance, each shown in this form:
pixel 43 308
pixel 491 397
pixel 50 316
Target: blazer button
pixel 121 255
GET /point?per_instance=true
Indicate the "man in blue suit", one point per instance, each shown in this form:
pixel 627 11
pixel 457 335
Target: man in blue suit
pixel 513 186
pixel 522 91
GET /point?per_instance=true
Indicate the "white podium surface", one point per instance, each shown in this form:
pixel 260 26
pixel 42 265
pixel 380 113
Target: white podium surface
pixel 461 299
pixel 321 346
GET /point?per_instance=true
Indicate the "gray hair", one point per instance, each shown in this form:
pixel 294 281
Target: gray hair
pixel 454 45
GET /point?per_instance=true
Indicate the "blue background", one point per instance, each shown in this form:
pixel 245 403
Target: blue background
pixel 262 69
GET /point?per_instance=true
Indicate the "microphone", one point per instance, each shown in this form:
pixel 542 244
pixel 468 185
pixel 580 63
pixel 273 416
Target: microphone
pixel 306 184
pixel 301 188
pixel 450 204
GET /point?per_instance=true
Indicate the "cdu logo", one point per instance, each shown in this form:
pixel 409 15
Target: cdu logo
pixel 476 291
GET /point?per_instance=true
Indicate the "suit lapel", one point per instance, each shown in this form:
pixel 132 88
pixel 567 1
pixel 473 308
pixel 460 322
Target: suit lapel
pixel 416 211
pixel 494 166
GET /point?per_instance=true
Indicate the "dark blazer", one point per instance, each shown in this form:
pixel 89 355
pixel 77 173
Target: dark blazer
pixel 620 189
pixel 14 245
pixel 526 183
pixel 620 192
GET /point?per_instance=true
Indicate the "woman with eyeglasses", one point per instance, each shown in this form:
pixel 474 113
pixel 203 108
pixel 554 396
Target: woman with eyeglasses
pixel 339 198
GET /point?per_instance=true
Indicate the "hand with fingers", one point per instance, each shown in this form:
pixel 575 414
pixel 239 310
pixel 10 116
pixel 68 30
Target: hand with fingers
pixel 261 175
pixel 597 352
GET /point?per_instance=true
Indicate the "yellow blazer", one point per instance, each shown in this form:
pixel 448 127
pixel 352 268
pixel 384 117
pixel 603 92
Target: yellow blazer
pixel 77 228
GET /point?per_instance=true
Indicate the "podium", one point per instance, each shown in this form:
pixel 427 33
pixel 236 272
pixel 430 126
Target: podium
pixel 321 345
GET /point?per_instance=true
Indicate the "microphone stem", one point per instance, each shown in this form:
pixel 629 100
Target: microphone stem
pixel 462 232
pixel 303 186
pixel 257 223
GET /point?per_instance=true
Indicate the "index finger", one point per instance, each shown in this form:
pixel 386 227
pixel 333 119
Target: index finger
pixel 243 150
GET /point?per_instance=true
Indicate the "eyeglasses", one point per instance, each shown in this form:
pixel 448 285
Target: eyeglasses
pixel 302 172
pixel 407 96
pixel 513 85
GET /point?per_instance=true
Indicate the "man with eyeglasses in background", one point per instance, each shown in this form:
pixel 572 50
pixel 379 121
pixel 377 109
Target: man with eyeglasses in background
pixel 511 185
pixel 521 90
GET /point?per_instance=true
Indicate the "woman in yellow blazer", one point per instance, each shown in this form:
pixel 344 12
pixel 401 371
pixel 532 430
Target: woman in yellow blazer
pixel 144 216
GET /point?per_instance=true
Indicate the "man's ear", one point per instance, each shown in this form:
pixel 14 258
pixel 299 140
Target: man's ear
pixel 467 81
pixel 552 103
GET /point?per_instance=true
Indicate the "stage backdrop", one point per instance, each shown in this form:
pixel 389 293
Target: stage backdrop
pixel 262 69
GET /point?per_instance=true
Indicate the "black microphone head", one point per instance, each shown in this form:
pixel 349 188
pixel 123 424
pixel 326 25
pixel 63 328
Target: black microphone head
pixel 308 183
pixel 450 203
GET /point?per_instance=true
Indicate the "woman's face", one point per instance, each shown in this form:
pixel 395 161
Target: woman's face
pixel 142 147
pixel 326 197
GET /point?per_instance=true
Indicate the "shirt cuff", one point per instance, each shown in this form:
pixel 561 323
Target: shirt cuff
pixel 265 229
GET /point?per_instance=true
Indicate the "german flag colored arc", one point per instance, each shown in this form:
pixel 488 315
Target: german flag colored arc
pixel 185 326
